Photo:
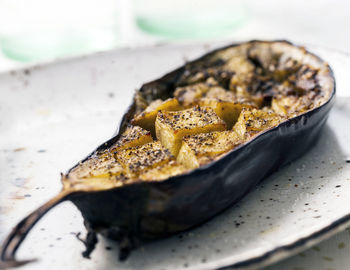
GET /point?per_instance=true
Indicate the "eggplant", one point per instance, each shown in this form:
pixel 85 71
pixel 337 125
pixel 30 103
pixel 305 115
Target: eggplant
pixel 141 211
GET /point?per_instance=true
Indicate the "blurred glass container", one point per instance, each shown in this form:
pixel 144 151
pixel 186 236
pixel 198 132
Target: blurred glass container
pixel 32 30
pixel 189 18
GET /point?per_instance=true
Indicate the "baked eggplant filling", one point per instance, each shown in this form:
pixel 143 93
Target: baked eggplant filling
pixel 215 106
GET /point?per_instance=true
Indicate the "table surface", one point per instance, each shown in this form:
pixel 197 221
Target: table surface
pixel 311 22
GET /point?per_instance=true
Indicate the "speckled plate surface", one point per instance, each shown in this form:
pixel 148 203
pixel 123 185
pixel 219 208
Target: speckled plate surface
pixel 53 115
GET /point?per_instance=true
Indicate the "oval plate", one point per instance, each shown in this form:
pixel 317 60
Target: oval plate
pixel 52 115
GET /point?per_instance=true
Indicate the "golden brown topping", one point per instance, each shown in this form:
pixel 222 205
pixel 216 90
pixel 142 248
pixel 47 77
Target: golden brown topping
pixel 226 110
pixel 240 65
pixel 133 136
pixel 139 159
pixel 189 95
pixel 99 171
pixel 163 171
pixel 202 148
pixel 102 167
pixel 147 118
pixel 220 94
pixel 251 122
pixel 289 105
pixel 172 126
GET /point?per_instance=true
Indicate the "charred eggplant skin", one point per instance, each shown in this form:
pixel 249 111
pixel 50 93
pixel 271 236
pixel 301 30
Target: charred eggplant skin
pixel 146 211
pixel 143 211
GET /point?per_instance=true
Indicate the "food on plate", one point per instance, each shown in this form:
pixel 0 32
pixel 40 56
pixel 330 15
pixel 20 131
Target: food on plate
pixel 194 142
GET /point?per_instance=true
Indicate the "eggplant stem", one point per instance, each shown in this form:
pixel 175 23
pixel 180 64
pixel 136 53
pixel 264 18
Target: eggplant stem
pixel 89 242
pixel 20 231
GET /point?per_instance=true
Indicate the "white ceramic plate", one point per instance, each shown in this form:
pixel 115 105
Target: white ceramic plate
pixel 53 115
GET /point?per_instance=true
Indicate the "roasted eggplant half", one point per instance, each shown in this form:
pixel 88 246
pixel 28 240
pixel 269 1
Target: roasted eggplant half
pixel 194 142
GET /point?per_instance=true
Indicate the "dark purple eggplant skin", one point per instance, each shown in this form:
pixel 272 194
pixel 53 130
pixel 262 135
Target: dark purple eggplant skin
pixel 145 211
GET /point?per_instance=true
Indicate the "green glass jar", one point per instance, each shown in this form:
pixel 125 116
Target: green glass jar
pixel 189 18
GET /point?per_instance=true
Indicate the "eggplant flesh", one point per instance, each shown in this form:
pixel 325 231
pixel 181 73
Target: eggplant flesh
pixel 276 77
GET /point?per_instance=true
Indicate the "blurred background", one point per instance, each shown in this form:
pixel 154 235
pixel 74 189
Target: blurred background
pixel 42 30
